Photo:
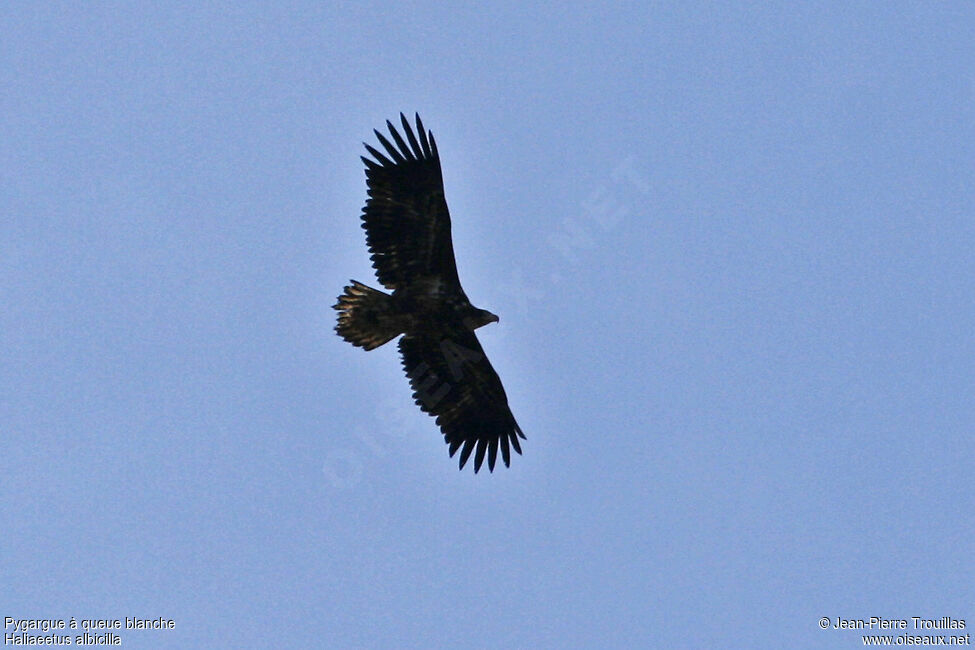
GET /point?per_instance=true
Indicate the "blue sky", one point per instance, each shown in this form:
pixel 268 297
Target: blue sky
pixel 731 248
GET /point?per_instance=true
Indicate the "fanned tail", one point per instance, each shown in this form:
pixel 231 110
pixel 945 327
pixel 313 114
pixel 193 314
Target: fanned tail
pixel 367 318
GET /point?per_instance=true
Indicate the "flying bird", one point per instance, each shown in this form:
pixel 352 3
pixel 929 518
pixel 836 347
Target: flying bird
pixel 408 233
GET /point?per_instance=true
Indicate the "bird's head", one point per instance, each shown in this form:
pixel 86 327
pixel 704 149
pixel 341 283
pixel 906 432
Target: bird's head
pixel 480 318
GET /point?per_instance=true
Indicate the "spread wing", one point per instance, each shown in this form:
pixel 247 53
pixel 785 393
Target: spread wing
pixel 405 217
pixel 453 380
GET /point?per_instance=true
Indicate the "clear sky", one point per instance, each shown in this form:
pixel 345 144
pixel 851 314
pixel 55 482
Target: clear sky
pixel 731 245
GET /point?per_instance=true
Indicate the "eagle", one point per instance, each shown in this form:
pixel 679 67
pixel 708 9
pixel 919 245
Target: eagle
pixel 407 228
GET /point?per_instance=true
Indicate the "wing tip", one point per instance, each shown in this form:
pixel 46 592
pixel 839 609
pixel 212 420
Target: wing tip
pixel 485 448
pixel 413 148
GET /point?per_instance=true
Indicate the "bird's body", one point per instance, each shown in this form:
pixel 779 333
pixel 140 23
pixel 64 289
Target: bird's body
pixel 408 232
